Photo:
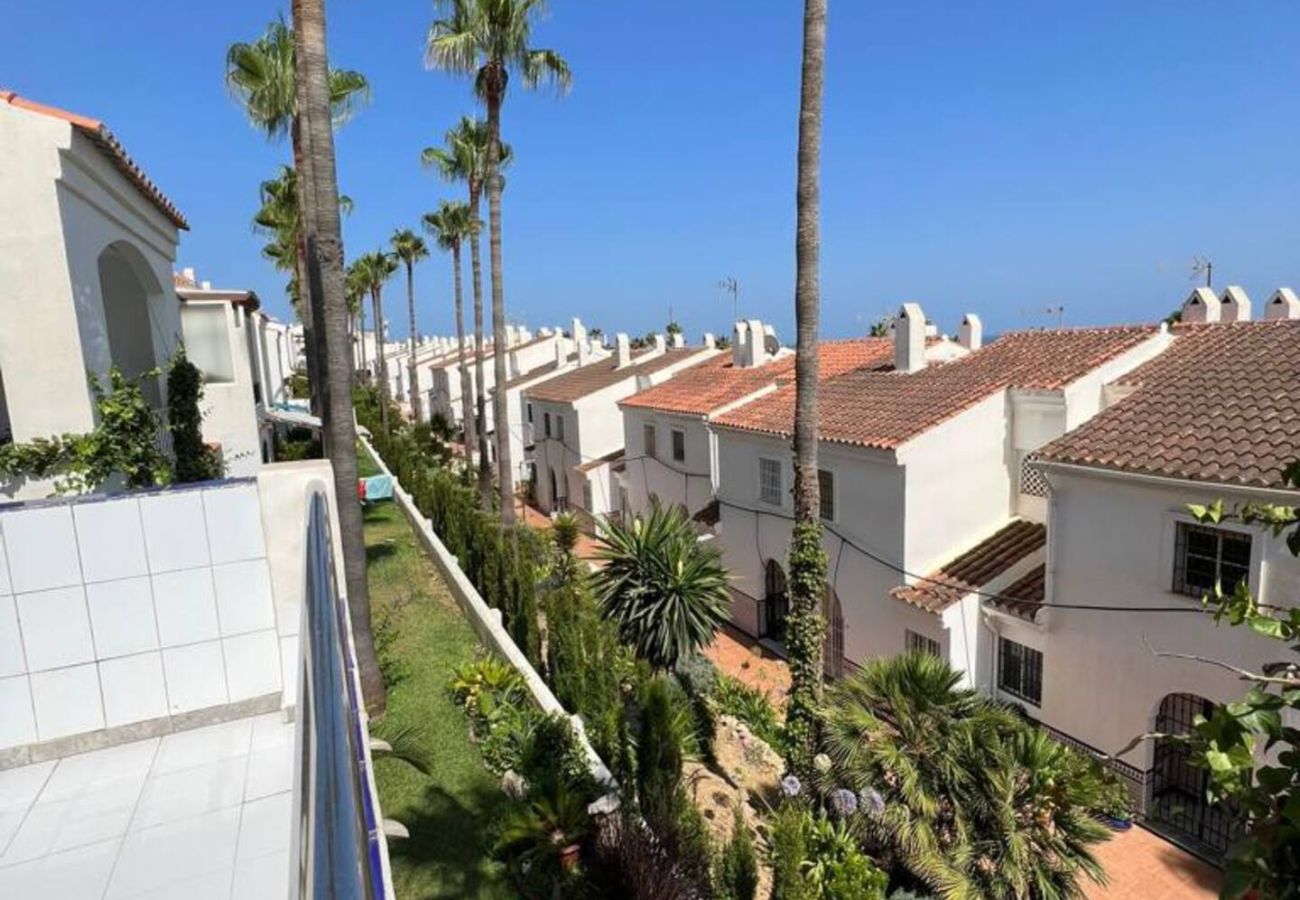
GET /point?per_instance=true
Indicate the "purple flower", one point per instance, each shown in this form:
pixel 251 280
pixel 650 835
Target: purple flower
pixel 872 800
pixel 844 802
pixel 791 786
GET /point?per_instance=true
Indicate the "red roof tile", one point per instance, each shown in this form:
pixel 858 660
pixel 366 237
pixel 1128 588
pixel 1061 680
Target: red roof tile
pixel 881 407
pixel 109 145
pixel 975 568
pixel 605 373
pixel 718 382
pixel 1025 597
pixel 1221 405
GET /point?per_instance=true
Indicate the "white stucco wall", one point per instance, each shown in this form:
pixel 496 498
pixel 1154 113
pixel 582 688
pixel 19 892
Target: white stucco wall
pixel 687 483
pixel 229 413
pixel 1112 543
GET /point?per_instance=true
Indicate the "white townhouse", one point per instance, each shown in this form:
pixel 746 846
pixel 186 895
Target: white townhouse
pixel 577 429
pixel 87 244
pixel 921 458
pixel 1217 415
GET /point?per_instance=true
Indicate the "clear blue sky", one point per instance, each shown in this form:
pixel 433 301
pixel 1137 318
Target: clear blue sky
pixel 994 156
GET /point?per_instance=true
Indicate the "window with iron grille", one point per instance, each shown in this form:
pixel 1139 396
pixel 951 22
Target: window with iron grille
pixel 530 414
pixel 769 481
pixel 826 491
pixel 1204 556
pixel 559 428
pixel 679 445
pixel 1020 671
pixel 919 643
pixel 648 436
pixel 1032 481
pixel 546 423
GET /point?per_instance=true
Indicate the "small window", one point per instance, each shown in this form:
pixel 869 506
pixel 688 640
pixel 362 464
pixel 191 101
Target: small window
pixel 919 643
pixel 1204 556
pixel 546 424
pixel 769 481
pixel 1020 671
pixel 679 445
pixel 648 437
pixel 559 428
pixel 530 414
pixel 826 491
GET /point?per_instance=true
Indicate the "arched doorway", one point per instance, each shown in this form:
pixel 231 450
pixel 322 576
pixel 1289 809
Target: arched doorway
pixel 775 607
pixel 127 288
pixel 555 491
pixel 1178 807
pixel 833 652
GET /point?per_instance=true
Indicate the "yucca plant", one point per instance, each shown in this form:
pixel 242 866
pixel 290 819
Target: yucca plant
pixel 666 591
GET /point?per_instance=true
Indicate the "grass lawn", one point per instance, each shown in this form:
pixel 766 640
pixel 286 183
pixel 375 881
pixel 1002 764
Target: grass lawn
pixel 449 813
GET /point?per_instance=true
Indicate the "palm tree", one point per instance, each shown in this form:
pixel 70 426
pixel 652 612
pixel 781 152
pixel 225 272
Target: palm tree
pixel 410 248
pixel 804 635
pixel 450 226
pixel 666 591
pixel 487 39
pixel 378 267
pixel 323 244
pixel 464 158
pixel 261 76
pixel 355 286
pixel 961 791
pixel 277 219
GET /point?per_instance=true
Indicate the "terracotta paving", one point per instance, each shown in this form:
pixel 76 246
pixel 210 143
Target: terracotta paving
pixel 748 662
pixel 587 546
pixel 1142 866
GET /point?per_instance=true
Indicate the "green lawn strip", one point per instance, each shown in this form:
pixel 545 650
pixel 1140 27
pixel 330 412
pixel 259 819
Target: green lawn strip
pixel 450 812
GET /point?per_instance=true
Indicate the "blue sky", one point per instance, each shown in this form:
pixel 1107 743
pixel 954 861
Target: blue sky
pixel 999 157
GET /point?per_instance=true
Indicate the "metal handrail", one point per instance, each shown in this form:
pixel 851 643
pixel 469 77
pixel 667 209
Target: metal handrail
pixel 343 847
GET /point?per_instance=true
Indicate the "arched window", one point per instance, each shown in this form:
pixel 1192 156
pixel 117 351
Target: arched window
pixel 776 602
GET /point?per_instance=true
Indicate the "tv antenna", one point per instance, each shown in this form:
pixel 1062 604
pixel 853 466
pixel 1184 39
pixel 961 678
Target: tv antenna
pixel 731 286
pixel 1058 310
pixel 1202 266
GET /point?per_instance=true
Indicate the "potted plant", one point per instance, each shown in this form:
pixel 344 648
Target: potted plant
pixel 1117 806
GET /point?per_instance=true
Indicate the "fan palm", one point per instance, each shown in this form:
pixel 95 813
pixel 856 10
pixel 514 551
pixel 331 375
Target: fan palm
pixel 488 39
pixel 377 267
pixel 970 798
pixel 322 240
pixel 666 591
pixel 355 286
pixel 261 76
pixel 450 225
pixel 277 219
pixel 463 157
pixel 805 629
pixel 410 248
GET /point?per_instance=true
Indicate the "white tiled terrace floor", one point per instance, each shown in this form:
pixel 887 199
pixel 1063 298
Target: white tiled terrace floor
pixel 197 815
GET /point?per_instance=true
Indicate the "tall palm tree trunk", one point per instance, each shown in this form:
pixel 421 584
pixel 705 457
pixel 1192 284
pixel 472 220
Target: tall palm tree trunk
pixel 320 218
pixel 505 474
pixel 412 387
pixel 381 360
pixel 807 556
pixel 312 344
pixel 480 401
pixel 466 401
pixel 361 335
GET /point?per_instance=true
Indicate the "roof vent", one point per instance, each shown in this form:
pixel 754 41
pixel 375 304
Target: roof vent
pixel 909 338
pixel 579 333
pixel 561 352
pixel 1202 306
pixel 710 342
pixel 660 344
pixel 971 334
pixel 739 343
pixel 1235 303
pixel 678 340
pixel 623 351
pixel 1282 305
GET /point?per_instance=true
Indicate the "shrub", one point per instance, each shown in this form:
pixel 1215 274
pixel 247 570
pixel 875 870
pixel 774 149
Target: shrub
pixel 733 697
pixel 737 877
pixel 788 846
pixel 194 460
pixel 552 752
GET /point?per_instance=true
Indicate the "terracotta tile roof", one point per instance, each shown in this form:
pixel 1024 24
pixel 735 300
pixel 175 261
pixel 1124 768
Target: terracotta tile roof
pixel 537 372
pixel 880 407
pixel 1221 404
pixel 717 382
pixel 109 145
pixel 975 568
pixel 605 373
pixel 1025 597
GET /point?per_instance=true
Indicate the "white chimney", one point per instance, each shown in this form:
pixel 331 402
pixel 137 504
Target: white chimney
pixel 660 343
pixel 710 342
pixel 524 334
pixel 578 330
pixel 971 335
pixel 622 351
pixel 1202 306
pixel 188 273
pixel 511 336
pixel 909 339
pixel 1282 305
pixel 756 354
pixel 207 285
pixel 739 343
pixel 561 352
pixel 679 340
pixel 1235 304
pixel 580 342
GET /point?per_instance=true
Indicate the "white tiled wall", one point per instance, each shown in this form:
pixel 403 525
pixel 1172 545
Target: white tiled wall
pixel 121 610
